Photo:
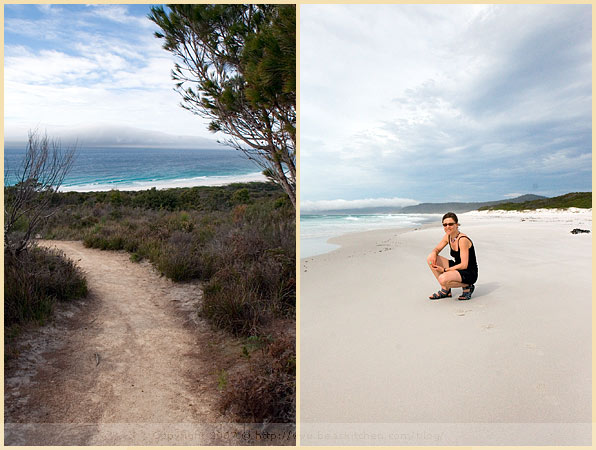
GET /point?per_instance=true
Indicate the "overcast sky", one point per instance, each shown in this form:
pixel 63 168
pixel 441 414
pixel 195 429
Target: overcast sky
pixel 76 67
pixel 443 102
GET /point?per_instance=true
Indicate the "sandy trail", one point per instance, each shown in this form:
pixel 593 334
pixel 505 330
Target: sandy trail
pixel 130 365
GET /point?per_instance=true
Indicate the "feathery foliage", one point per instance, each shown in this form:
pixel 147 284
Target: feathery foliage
pixel 236 66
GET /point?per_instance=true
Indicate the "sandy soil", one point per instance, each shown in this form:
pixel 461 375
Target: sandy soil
pixel 129 365
pixel 382 364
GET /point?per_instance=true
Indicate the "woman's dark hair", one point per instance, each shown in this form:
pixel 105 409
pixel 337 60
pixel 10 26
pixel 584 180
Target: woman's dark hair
pixel 450 215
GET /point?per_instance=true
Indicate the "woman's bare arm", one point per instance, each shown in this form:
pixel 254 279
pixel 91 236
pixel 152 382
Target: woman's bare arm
pixel 440 246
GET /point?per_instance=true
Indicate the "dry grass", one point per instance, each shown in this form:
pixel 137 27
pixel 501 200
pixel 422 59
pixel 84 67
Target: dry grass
pixel 266 392
pixel 34 280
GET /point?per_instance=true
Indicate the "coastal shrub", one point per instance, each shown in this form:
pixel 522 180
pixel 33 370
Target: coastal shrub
pixel 86 222
pixel 267 391
pixel 240 196
pixel 239 213
pixel 131 244
pixel 156 199
pixel 22 299
pixel 254 281
pixel 230 304
pixel 273 277
pixel 180 221
pixel 105 238
pixel 113 235
pixel 115 214
pixel 179 259
pixel 115 197
pixel 34 280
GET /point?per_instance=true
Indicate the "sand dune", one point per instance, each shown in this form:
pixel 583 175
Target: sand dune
pixel 382 364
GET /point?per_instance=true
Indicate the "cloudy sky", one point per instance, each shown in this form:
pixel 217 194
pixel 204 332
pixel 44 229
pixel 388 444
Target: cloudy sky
pixel 71 68
pixel 437 103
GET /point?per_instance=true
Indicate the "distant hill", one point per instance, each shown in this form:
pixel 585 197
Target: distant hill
pixel 442 208
pixel 425 208
pixel 571 200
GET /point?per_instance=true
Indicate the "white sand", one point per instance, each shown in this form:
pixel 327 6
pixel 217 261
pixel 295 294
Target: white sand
pixel 215 180
pixel 382 364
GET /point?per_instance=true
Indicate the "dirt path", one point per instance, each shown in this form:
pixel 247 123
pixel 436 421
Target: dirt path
pixel 129 365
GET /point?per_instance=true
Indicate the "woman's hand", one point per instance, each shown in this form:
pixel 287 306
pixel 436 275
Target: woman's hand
pixel 432 258
pixel 434 266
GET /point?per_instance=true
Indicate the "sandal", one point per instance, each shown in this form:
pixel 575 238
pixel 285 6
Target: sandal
pixel 443 293
pixel 467 295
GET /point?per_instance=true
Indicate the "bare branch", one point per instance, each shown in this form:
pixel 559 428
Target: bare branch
pixel 27 204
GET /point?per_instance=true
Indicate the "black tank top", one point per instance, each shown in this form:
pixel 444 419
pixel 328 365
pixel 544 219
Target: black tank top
pixel 472 265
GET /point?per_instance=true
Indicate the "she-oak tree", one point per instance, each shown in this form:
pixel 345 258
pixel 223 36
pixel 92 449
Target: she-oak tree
pixel 236 65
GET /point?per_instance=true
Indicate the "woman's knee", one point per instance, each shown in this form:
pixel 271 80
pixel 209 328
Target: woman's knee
pixel 449 277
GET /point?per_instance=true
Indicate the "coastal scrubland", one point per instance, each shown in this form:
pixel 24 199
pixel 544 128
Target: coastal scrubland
pixel 571 200
pixel 238 240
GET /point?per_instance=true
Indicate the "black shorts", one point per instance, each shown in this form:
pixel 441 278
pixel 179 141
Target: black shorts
pixel 468 276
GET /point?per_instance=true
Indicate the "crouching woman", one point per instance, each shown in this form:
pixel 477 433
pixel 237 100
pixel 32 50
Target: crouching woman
pixel 462 271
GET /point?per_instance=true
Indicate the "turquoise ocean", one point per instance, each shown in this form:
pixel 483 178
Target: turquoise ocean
pixel 316 229
pixel 126 168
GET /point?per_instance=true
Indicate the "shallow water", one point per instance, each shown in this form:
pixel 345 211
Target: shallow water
pixel 315 230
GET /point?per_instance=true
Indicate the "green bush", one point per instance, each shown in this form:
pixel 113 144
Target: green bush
pixel 178 262
pixel 230 304
pixel 240 196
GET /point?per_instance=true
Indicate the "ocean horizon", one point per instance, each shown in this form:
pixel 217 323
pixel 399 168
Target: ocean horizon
pixel 317 229
pixel 140 168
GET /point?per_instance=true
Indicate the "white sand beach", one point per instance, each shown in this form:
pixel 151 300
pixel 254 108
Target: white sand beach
pixel 213 180
pixel 381 364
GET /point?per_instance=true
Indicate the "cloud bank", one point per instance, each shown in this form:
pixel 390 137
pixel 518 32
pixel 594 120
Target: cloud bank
pixel 340 204
pixel 77 66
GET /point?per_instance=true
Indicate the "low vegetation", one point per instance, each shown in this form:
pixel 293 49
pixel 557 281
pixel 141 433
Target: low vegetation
pixel 265 393
pixel 239 240
pixel 571 200
pixel 34 280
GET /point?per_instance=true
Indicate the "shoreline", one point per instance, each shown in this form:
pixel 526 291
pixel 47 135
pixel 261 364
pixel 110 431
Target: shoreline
pixel 517 353
pixel 215 180
pixel 567 214
pixel 325 238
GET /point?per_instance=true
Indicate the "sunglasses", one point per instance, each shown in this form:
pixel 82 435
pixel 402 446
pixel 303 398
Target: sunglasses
pixel 450 224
